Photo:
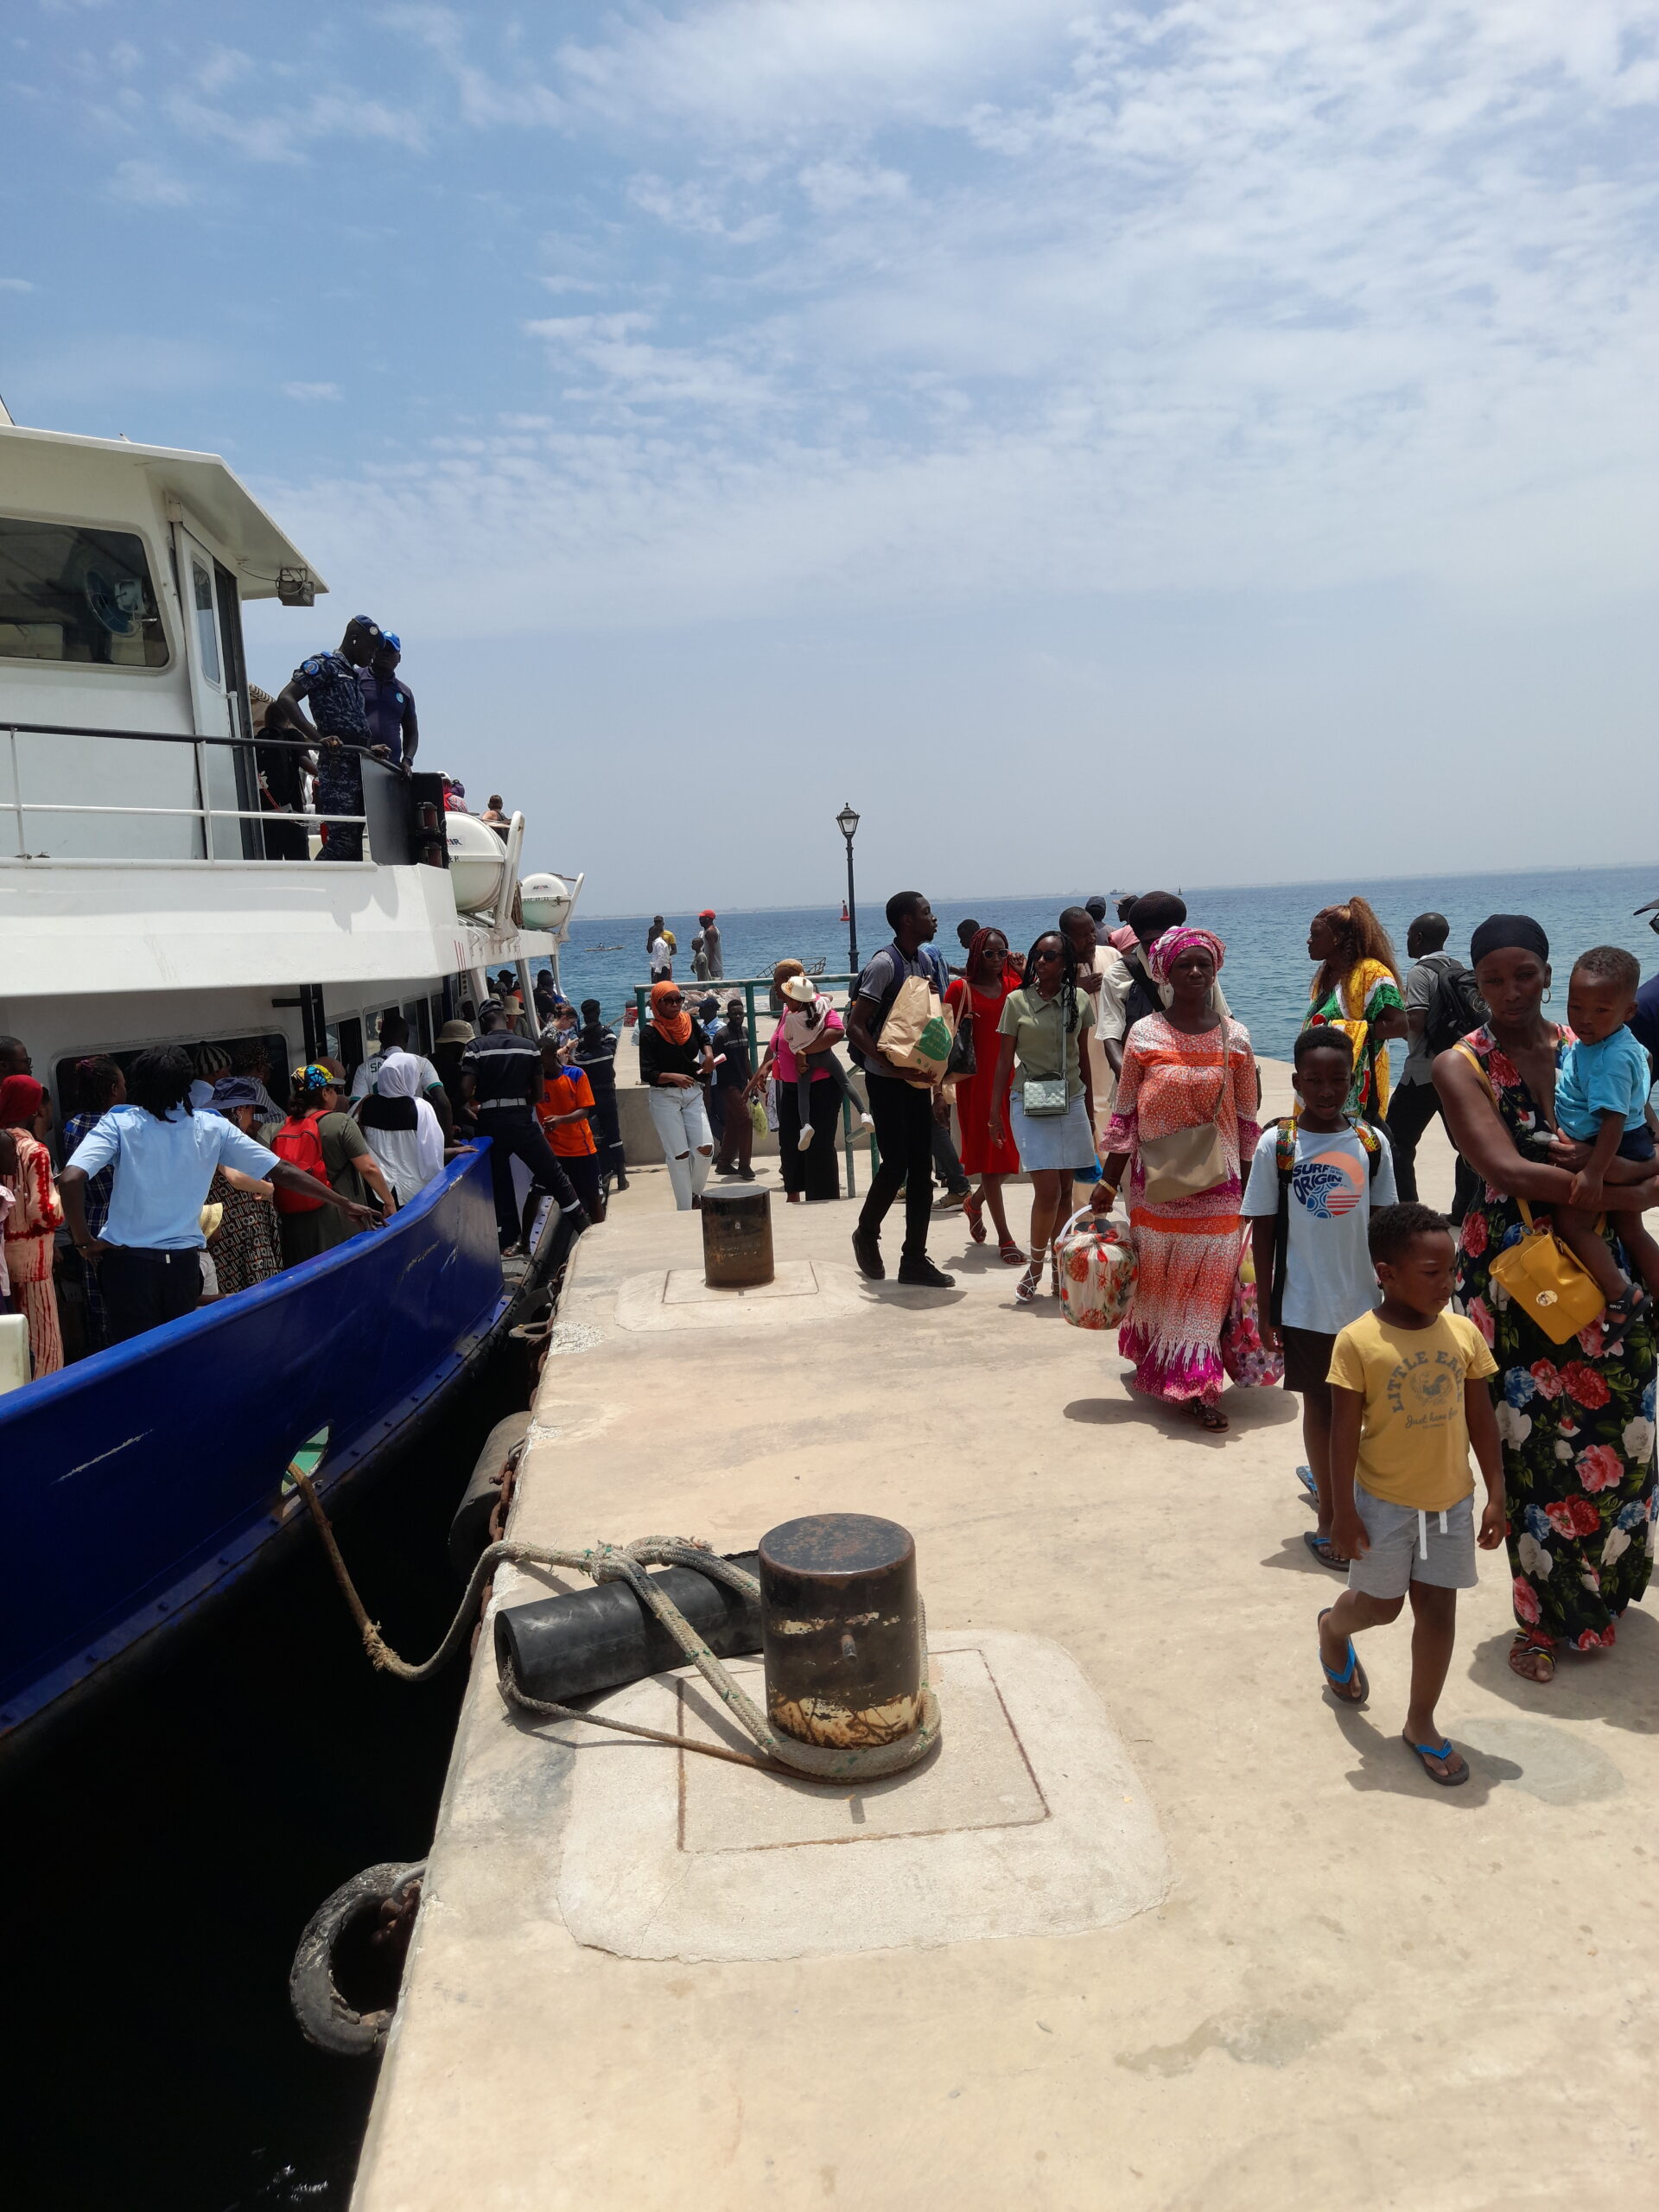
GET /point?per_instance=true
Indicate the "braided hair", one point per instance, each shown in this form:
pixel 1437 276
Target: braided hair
pixel 1068 973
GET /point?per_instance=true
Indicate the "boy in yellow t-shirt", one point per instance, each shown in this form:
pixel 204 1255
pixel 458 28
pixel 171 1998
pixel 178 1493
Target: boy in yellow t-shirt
pixel 1409 1398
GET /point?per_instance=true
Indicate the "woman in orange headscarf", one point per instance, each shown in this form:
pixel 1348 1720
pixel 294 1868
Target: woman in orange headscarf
pixel 676 1060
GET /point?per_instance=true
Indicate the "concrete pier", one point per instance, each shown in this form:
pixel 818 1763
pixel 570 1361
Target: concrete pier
pixel 1159 1927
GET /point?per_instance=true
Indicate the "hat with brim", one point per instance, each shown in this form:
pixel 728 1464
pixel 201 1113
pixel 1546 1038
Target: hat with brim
pixel 456 1032
pixel 801 990
pixel 234 1090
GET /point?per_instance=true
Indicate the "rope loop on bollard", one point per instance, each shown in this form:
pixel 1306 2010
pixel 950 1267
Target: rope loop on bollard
pixel 606 1562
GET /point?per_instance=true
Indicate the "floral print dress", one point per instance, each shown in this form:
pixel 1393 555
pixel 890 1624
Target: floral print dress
pixel 1576 1420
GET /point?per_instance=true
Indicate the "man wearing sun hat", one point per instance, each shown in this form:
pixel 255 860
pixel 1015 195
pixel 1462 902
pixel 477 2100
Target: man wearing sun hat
pixel 715 966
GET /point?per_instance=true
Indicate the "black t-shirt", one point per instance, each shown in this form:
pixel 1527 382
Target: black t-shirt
pixel 732 1040
pixel 658 1057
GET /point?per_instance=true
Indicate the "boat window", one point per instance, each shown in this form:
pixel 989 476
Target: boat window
pixel 71 593
pixel 267 1056
pixel 206 626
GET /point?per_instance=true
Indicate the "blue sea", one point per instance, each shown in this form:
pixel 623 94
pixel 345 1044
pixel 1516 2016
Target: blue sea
pixel 1264 927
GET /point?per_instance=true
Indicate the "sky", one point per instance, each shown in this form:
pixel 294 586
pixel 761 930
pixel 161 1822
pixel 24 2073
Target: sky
pixel 1213 440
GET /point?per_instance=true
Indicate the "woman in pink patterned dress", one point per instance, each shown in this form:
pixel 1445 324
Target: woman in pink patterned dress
pixel 1182 1069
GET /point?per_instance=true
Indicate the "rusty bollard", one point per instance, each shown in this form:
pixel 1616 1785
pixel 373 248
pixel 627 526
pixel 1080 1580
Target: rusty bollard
pixel 736 1239
pixel 841 1629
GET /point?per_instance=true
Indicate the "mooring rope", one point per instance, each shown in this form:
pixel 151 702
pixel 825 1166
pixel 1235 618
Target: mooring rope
pixel 627 1563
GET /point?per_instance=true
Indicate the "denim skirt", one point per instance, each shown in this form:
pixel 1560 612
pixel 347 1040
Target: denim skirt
pixel 1051 1139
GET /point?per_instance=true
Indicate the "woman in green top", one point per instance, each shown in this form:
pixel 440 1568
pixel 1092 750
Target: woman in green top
pixel 1042 1025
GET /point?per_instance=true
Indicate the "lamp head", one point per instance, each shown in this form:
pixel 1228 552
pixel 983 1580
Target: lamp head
pixel 846 821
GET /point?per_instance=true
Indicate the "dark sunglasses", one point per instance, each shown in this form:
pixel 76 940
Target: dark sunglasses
pixel 675 1000
pixel 1056 954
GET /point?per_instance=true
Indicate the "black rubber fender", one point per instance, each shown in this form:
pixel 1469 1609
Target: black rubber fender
pixel 470 1530
pixel 325 2017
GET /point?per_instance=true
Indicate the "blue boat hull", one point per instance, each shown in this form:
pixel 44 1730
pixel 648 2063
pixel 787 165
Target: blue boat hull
pixel 140 1483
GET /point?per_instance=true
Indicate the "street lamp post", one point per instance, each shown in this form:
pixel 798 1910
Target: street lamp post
pixel 847 822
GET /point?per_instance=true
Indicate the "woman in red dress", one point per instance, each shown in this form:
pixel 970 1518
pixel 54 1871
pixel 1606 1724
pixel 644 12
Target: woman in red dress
pixel 985 983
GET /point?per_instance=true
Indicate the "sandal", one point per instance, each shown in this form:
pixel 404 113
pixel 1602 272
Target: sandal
pixel 1305 1476
pixel 1353 1672
pixel 1211 1417
pixel 1442 1751
pixel 973 1207
pixel 1533 1646
pixel 1620 1312
pixel 1009 1253
pixel 1025 1289
pixel 1324 1551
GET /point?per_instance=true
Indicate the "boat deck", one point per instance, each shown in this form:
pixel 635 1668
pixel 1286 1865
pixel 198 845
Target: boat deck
pixel 1207 1944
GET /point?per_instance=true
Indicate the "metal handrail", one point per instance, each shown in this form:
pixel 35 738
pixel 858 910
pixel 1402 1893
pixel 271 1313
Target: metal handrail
pixel 203 812
pixel 178 737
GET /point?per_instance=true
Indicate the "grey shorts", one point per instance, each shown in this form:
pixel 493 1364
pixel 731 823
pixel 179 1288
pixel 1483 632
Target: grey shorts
pixel 1400 1538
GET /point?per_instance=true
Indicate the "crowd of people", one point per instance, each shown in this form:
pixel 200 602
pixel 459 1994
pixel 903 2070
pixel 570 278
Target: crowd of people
pixel 1107 1055
pixel 176 1188
pixel 310 738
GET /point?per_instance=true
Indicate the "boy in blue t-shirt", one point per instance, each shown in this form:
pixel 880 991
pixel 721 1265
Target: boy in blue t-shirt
pixel 1601 1100
pixel 1313 1272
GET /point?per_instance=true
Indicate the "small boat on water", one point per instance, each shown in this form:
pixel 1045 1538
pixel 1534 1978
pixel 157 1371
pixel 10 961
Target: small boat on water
pixel 147 901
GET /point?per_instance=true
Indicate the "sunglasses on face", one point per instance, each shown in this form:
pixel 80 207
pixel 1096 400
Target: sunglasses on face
pixel 676 1001
pixel 1053 953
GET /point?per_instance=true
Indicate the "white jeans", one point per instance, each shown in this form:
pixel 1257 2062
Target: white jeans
pixel 682 1126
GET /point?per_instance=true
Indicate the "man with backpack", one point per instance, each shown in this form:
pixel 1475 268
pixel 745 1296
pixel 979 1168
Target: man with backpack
pixel 903 1109
pixel 1441 1006
pixel 1312 1184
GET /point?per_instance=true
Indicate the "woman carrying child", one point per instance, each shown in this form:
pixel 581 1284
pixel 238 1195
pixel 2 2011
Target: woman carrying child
pixel 813 1173
pixel 1575 1419
pixel 979 995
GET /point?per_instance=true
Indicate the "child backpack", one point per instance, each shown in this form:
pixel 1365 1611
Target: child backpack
pixel 1455 1008
pixel 298 1143
pixel 1284 1160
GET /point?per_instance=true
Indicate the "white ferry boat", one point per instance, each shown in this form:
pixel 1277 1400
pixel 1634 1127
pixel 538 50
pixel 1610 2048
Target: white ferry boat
pixel 139 906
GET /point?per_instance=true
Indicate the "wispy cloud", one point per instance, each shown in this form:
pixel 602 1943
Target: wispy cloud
pixel 312 391
pixel 144 183
pixel 16 284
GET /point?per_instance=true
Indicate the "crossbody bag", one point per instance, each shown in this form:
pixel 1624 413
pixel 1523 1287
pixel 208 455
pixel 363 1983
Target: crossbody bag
pixel 1045 1094
pixel 1189 1160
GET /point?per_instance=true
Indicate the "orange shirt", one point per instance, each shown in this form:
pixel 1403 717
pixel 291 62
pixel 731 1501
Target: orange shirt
pixel 564 1094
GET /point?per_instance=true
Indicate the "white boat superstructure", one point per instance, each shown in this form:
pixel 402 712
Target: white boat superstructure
pixel 138 903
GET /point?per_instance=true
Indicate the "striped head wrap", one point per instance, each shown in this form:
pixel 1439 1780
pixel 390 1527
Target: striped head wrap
pixel 1165 951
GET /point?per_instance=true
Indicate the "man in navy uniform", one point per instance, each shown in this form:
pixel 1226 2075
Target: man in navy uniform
pixel 328 683
pixel 389 704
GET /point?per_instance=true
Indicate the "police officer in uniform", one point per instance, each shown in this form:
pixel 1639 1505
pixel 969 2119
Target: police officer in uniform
pixel 328 683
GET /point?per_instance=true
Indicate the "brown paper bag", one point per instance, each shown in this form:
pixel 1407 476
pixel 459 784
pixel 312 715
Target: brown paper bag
pixel 905 1038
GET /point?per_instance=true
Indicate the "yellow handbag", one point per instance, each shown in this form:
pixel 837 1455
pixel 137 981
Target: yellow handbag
pixel 1557 1293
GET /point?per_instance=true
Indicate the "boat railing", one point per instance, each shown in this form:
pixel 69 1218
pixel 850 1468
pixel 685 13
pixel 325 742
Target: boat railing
pixel 163 799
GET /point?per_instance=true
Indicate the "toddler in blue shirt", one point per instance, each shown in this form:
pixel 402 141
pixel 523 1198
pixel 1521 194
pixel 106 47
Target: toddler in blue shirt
pixel 1601 1100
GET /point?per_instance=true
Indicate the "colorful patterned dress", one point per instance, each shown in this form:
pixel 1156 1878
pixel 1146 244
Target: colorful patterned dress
pixel 1187 1252
pixel 249 1247
pixel 31 1226
pixel 1576 1420
pixel 1365 994
pixel 96 1199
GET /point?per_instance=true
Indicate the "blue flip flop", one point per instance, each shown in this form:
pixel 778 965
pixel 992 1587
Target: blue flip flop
pixel 1330 1556
pixel 1444 1751
pixel 1305 1476
pixel 1353 1672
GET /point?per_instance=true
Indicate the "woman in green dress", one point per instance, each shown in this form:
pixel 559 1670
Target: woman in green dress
pixel 1576 1419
